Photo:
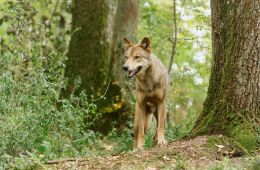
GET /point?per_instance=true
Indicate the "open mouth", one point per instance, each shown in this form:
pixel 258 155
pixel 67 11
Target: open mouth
pixel 132 73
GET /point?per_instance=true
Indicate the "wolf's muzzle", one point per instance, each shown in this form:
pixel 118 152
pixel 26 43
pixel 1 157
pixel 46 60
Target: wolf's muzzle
pixel 125 67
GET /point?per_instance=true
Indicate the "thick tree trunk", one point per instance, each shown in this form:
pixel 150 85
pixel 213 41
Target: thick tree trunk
pixel 95 50
pixel 232 106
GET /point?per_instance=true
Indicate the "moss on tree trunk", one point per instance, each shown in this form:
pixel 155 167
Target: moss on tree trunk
pixel 95 52
pixel 232 106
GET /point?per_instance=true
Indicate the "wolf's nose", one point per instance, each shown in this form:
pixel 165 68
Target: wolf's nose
pixel 125 67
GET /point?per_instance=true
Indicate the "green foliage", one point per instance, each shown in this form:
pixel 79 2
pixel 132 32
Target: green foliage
pixel 251 163
pixel 181 163
pixel 245 137
pixel 123 141
pixel 27 23
pixel 255 164
pixel 225 165
pixel 35 124
pixel 31 123
pixel 178 131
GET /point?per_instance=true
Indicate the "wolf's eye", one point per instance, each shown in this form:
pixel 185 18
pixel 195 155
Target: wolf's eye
pixel 126 57
pixel 136 57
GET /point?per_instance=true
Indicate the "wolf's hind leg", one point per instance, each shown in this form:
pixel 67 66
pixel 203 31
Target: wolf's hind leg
pixel 161 123
pixel 156 118
pixel 148 118
pixel 139 126
pixel 150 109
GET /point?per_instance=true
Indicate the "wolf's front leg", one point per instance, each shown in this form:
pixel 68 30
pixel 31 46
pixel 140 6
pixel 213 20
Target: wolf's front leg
pixel 139 126
pixel 161 122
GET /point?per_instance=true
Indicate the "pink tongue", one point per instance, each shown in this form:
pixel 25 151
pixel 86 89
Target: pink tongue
pixel 131 73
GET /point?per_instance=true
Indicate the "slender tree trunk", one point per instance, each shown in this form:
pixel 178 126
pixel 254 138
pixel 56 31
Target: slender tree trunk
pixel 95 50
pixel 232 106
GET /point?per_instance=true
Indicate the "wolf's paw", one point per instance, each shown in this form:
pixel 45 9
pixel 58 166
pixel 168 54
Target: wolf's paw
pixel 161 142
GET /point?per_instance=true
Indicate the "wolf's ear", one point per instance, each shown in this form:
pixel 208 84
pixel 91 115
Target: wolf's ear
pixel 127 43
pixel 145 44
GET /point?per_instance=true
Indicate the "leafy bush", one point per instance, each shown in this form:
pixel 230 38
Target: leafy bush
pixel 31 123
pixel 35 124
pixel 123 141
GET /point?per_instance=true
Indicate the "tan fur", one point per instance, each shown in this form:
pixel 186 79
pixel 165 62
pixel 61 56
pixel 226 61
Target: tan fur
pixel 151 87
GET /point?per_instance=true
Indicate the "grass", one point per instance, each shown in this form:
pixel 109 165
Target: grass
pixel 250 163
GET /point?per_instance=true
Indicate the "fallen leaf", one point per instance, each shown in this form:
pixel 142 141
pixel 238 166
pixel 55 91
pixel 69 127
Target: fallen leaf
pixel 219 147
pixel 204 157
pixel 165 158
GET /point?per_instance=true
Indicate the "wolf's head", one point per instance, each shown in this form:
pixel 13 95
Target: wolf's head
pixel 137 57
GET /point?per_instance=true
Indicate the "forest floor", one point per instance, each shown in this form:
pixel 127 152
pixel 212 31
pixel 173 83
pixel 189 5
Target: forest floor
pixel 203 152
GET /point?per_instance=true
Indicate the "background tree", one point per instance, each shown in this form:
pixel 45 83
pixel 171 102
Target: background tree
pixel 232 106
pixel 95 50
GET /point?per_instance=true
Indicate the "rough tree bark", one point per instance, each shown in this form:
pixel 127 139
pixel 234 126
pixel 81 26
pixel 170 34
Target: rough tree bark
pixel 95 50
pixel 232 106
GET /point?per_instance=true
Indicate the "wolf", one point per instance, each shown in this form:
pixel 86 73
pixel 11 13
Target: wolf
pixel 151 83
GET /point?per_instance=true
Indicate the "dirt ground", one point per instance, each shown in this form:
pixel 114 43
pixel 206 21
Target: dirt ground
pixel 197 153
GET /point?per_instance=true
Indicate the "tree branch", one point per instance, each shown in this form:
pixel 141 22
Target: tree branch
pixel 54 10
pixel 174 41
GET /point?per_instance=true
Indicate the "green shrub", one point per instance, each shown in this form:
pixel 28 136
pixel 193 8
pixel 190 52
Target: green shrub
pixel 31 123
pixel 35 123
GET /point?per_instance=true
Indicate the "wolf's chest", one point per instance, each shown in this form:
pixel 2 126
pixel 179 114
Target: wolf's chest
pixel 147 86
